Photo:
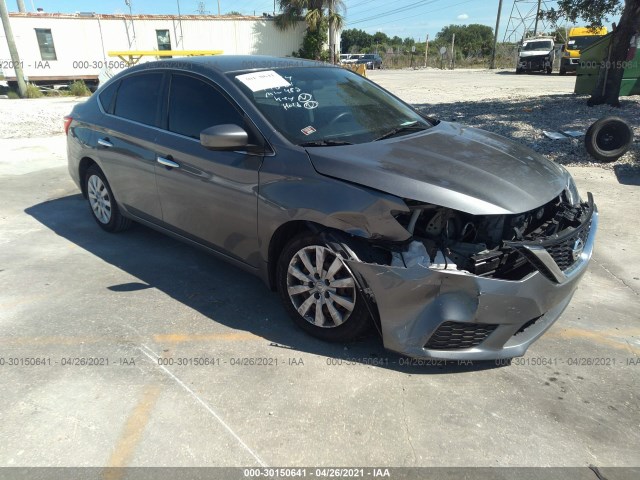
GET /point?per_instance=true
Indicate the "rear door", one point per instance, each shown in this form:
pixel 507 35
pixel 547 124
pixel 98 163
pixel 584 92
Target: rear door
pixel 208 196
pixel 125 142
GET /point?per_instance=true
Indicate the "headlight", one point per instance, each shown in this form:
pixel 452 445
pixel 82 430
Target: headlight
pixel 571 190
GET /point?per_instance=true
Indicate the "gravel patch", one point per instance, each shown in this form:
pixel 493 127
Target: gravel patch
pixel 37 117
pixel 519 107
pixel 525 119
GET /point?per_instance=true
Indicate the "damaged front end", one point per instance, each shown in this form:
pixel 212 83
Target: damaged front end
pixel 477 287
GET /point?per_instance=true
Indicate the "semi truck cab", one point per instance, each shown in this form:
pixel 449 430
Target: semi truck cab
pixel 579 38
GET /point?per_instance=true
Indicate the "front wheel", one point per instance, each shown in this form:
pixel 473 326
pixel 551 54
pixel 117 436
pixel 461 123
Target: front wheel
pixel 104 208
pixel 320 292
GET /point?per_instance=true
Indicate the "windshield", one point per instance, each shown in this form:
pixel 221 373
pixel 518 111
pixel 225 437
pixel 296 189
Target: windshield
pixel 543 45
pixel 325 104
pixel 580 43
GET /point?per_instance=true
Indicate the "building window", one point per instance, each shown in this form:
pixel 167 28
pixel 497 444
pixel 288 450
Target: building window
pixel 164 41
pixel 45 42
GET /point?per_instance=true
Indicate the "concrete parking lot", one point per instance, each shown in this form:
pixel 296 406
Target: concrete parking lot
pixel 195 363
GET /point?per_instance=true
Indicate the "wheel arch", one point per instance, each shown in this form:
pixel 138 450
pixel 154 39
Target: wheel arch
pixel 280 238
pixel 84 165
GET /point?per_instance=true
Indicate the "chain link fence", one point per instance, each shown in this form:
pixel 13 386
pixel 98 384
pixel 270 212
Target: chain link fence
pixel 506 57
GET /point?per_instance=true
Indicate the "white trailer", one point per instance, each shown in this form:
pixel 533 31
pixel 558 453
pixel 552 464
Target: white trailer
pixel 59 48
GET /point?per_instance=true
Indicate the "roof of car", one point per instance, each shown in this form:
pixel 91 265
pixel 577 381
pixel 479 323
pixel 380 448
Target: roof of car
pixel 235 63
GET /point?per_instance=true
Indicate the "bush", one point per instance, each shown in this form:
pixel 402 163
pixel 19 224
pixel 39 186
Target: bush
pixel 79 89
pixel 13 95
pixel 33 91
pixel 56 93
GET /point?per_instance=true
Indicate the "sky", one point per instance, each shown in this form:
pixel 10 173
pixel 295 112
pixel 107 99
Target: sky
pixel 404 18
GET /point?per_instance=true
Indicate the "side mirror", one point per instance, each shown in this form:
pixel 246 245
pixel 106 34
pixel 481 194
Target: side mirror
pixel 224 137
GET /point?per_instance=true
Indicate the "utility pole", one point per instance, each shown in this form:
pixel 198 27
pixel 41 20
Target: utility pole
pixel 133 27
pixel 218 7
pixel 453 52
pixel 495 38
pixel 426 52
pixel 21 8
pixel 13 51
pixel 535 28
pixel 332 34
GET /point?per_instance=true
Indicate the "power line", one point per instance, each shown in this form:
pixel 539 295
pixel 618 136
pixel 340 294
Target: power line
pixel 359 3
pixel 369 9
pixel 394 11
pixel 413 16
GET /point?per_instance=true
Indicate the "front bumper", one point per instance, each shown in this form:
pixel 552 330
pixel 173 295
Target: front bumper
pixel 454 315
pixel 534 63
pixel 570 64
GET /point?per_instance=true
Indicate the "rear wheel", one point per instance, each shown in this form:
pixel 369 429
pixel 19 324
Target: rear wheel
pixel 319 291
pixel 104 208
pixel 563 71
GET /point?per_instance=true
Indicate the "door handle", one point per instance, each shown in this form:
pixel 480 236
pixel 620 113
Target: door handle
pixel 105 143
pixel 167 162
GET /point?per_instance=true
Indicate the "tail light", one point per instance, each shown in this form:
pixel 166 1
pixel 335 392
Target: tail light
pixel 67 123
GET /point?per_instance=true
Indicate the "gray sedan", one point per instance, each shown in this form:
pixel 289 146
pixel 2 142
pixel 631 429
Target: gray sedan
pixel 361 212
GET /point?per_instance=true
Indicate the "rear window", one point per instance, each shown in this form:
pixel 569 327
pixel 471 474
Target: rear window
pixel 139 97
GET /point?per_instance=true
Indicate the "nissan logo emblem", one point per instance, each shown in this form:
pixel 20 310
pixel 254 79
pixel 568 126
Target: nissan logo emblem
pixel 578 247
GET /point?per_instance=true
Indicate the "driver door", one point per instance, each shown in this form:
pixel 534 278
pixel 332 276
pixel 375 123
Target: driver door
pixel 207 196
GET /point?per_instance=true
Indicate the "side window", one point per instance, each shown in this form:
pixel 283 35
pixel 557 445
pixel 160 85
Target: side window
pixel 138 98
pixel 45 42
pixel 195 105
pixel 164 39
pixel 107 97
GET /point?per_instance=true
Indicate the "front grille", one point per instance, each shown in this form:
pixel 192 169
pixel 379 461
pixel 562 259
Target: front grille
pixel 458 335
pixel 562 252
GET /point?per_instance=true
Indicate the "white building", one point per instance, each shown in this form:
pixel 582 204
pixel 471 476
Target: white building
pixel 57 47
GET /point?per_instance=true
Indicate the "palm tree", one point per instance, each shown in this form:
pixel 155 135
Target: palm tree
pixel 313 12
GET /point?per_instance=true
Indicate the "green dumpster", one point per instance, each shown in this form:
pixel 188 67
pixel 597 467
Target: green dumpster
pixel 593 58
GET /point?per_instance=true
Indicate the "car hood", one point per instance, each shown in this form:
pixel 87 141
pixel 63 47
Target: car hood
pixel 450 165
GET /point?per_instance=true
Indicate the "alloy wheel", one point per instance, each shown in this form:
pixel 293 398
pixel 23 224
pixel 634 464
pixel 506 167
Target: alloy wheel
pixel 321 287
pixel 99 199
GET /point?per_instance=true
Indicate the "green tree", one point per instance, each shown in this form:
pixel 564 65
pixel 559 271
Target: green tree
pixel 471 40
pixel 380 37
pixel 594 12
pixel 355 39
pixel 314 12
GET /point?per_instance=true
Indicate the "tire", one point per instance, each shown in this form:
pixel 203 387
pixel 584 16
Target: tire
pixel 518 71
pixel 563 71
pixel 102 204
pixel 608 139
pixel 331 314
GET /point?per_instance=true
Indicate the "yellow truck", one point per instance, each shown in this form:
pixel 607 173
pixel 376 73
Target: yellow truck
pixel 579 38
